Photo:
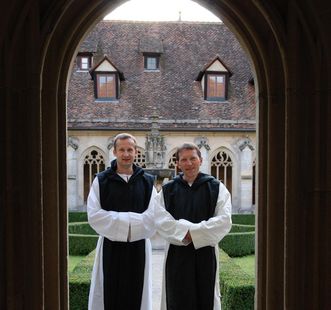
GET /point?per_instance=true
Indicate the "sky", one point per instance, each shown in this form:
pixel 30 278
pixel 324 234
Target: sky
pixel 162 10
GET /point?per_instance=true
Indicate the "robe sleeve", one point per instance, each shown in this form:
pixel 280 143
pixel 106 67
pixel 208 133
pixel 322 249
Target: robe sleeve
pixel 110 224
pixel 142 224
pixel 211 232
pixel 170 229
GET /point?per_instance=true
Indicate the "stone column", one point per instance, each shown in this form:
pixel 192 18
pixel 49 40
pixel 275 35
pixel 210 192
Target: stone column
pixel 246 180
pixel 203 144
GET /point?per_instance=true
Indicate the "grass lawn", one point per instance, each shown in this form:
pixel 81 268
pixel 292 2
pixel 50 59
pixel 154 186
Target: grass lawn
pixel 246 263
pixel 73 261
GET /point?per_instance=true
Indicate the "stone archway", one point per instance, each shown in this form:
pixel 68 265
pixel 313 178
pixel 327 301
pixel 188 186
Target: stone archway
pixel 287 41
pixel 255 33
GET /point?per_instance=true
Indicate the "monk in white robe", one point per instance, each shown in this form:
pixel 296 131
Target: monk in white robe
pixel 192 213
pixel 120 209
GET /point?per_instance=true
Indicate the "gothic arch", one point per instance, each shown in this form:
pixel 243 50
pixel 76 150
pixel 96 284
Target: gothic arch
pixel 287 41
pixel 223 159
pixel 88 165
pixel 171 162
pixel 262 41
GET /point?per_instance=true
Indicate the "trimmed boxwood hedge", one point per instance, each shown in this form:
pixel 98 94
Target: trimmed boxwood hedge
pixel 238 244
pixel 81 228
pixel 79 283
pixel 77 216
pixel 82 244
pixel 237 287
pixel 241 228
pixel 245 219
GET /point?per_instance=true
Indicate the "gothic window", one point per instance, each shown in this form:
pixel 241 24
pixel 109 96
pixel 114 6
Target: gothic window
pixel 93 163
pixel 221 168
pixel 140 159
pixel 173 164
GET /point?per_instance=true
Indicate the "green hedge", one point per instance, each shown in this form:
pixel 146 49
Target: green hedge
pixel 237 287
pixel 79 283
pixel 75 216
pixel 245 219
pixel 82 244
pixel 241 228
pixel 83 228
pixel 238 244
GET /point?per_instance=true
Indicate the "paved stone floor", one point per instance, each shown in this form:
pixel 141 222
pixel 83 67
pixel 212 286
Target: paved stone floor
pixel 157 268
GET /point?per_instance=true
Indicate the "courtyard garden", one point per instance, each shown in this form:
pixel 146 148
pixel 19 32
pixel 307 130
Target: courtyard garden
pixel 237 260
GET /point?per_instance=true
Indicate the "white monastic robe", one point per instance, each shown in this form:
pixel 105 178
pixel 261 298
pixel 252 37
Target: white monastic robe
pixel 119 226
pixel 205 233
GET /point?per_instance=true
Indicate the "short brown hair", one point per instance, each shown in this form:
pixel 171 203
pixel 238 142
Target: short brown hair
pixel 187 146
pixel 123 136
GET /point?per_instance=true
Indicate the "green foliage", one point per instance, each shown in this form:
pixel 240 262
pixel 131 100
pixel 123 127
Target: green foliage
pixel 75 216
pixel 238 244
pixel 241 228
pixel 79 283
pixel 82 228
pixel 82 244
pixel 237 287
pixel 246 263
pixel 245 219
pixel 73 261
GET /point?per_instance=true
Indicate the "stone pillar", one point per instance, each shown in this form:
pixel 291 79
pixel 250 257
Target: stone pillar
pixel 203 144
pixel 246 180
pixel 72 169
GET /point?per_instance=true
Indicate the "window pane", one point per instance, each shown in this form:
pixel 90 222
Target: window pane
pixel 84 63
pixel 106 86
pixel 215 86
pixel 151 63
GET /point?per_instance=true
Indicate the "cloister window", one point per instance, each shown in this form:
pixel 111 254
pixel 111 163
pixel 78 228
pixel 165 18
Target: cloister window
pixel 172 164
pixel 140 159
pixel 221 168
pixel 93 163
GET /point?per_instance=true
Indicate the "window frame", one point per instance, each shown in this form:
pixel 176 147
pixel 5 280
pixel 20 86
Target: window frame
pixel 151 55
pixel 79 61
pixel 226 82
pixel 97 74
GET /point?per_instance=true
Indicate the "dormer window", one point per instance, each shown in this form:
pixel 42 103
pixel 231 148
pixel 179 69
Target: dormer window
pixel 84 61
pixel 106 86
pixel 151 49
pixel 215 86
pixel 151 62
pixel 214 80
pixel 107 80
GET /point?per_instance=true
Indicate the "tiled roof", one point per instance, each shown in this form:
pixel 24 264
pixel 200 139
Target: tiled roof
pixel 172 93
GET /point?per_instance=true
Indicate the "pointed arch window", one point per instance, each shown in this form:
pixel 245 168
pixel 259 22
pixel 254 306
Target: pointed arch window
pixel 140 159
pixel 172 164
pixel 221 168
pixel 94 163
